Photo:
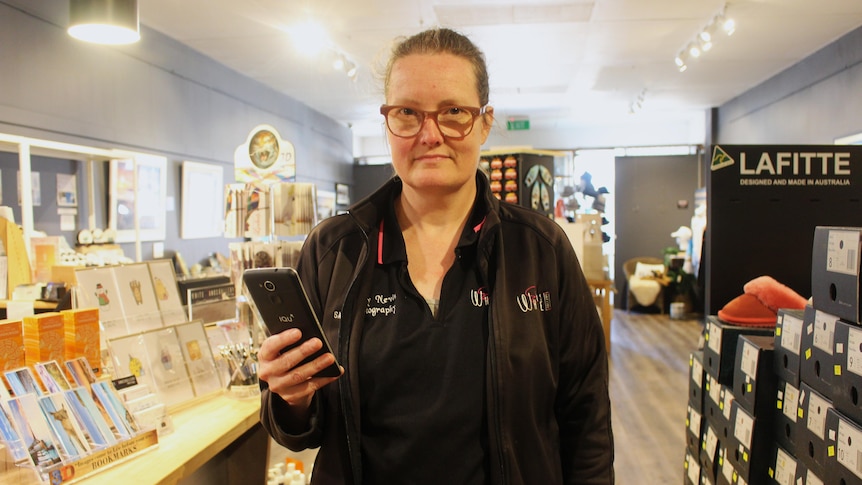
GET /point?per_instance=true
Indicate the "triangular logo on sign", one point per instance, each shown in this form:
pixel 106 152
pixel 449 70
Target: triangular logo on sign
pixel 720 159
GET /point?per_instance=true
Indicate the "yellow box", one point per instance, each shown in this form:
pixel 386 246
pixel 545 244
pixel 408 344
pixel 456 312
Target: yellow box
pixel 44 337
pixel 11 345
pixel 81 329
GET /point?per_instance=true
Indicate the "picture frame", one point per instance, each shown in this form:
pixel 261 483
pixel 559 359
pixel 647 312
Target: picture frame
pixel 342 194
pixel 146 190
pixel 202 202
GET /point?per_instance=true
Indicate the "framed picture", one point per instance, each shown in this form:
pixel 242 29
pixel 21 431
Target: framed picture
pixel 342 194
pixel 145 193
pixel 202 201
pixel 325 204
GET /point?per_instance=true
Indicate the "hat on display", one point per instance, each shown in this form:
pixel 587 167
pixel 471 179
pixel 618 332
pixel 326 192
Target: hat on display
pixel 683 232
pixel 759 304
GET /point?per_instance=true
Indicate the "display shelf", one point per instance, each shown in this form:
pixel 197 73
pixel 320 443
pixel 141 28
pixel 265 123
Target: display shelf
pixel 602 295
pixel 201 432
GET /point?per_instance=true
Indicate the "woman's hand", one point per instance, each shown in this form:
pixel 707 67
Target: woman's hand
pixel 284 374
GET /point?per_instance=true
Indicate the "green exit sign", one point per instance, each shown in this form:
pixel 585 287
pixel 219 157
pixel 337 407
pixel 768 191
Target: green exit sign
pixel 518 124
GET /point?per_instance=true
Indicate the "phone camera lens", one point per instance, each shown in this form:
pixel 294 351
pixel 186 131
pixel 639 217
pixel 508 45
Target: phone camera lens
pixel 269 285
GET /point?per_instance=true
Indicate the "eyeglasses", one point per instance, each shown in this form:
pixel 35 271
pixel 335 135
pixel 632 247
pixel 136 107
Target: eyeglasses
pixel 454 122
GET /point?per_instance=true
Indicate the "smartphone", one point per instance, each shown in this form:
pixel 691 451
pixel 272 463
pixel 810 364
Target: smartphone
pixel 281 303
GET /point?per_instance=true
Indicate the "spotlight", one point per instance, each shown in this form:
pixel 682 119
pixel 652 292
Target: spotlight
pixel 694 51
pixel 351 71
pixel 111 22
pixel 729 26
pixel 338 63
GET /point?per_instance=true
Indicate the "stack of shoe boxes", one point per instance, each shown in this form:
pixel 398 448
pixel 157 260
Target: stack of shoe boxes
pixel 784 406
pixel 713 455
pixel 836 322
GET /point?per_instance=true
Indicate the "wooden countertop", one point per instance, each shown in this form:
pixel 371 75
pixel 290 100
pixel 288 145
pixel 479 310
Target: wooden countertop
pixel 201 431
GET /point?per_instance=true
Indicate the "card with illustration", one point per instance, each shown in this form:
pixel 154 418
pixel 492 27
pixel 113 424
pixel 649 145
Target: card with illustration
pixel 135 288
pixel 97 288
pixel 70 438
pixel 167 292
pixel 12 438
pixel 81 372
pixel 35 432
pixel 52 376
pixel 122 419
pixel 130 358
pixel 169 374
pixel 199 358
pixel 22 381
pixel 93 421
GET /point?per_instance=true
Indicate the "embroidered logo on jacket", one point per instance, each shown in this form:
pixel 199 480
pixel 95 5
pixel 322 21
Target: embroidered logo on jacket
pixel 531 300
pixel 479 297
pixel 380 305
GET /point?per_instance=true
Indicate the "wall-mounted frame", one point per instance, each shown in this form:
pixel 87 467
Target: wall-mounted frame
pixel 342 194
pixel 202 201
pixel 149 188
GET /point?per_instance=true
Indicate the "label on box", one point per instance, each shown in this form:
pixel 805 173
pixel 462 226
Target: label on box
pixel 714 391
pixel 697 373
pixel 791 401
pixel 694 418
pixel 854 351
pixel 791 333
pixel 710 442
pixel 693 470
pixel 841 256
pixel 812 479
pixel 726 467
pixel 817 407
pixel 727 402
pixel 743 428
pixel 748 363
pixel 850 447
pixel 824 331
pixel 785 468
pixel 715 338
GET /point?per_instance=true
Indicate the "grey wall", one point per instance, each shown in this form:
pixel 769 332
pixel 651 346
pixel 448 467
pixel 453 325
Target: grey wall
pixel 813 102
pixel 646 193
pixel 156 96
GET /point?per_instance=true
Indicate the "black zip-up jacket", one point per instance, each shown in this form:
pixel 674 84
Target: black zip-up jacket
pixel 548 411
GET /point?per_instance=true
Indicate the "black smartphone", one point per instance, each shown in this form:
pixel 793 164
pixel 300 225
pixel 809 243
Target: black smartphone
pixel 278 297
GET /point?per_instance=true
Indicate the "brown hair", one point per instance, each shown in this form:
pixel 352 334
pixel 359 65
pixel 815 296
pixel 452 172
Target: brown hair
pixel 439 41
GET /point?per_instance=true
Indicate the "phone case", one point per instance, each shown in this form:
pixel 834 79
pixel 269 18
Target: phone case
pixel 280 300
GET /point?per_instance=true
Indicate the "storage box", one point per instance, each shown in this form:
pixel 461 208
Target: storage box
pixel 719 353
pixel 785 422
pixel 844 440
pixel 691 467
pixel 818 339
pixel 811 436
pixel 749 445
pixel 783 467
pixel 848 370
pixel 696 380
pixel 694 425
pixel 709 452
pixel 754 379
pixel 835 271
pixel 788 342
pixel 82 336
pixel 806 476
pixel 44 338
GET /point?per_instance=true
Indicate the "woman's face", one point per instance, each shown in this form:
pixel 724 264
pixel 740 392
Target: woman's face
pixel 430 162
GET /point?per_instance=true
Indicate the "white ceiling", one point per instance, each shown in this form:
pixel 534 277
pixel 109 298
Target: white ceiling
pixel 553 61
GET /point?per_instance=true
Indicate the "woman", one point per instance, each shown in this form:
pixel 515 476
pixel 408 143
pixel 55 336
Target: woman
pixel 471 346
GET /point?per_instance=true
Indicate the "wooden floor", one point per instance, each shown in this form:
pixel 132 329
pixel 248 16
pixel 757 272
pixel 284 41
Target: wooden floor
pixel 649 393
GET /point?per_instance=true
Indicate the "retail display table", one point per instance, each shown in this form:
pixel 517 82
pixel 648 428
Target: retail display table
pixel 218 440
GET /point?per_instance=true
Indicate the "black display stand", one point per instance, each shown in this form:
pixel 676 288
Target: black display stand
pixel 763 203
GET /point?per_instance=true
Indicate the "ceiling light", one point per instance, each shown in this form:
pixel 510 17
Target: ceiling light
pixel 309 38
pixel 679 62
pixel 338 63
pixel 351 71
pixel 694 51
pixel 112 22
pixel 729 26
